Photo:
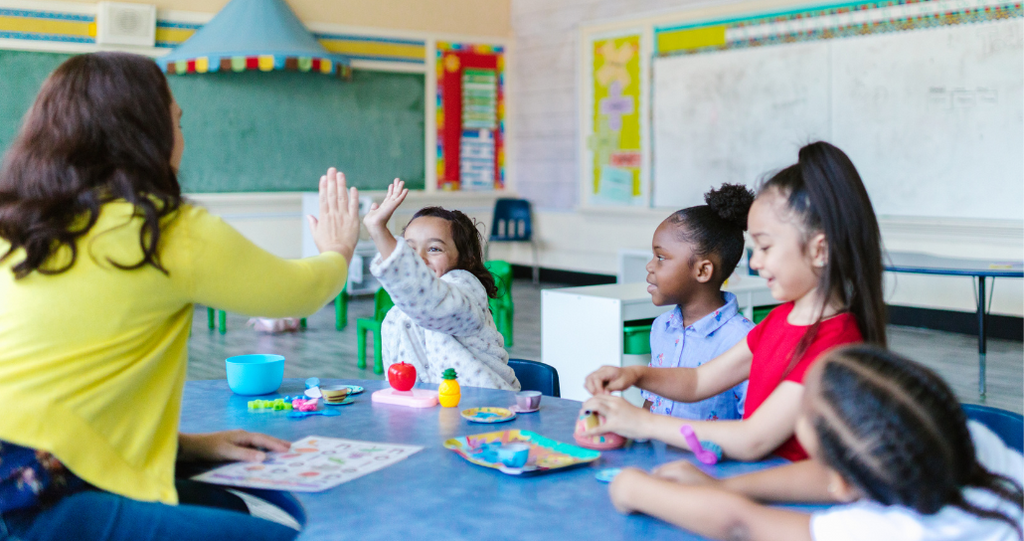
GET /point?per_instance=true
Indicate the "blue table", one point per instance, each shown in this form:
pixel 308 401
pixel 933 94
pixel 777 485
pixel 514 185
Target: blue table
pixel 915 263
pixel 435 493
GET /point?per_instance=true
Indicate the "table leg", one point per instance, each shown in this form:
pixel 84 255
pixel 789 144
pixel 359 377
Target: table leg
pixel 981 335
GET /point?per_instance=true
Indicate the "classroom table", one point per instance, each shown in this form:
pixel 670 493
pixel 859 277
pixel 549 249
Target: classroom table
pixel 435 494
pixel 582 327
pixel 917 263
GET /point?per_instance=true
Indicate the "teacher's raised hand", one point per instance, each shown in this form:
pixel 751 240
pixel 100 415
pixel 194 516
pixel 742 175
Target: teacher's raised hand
pixel 337 228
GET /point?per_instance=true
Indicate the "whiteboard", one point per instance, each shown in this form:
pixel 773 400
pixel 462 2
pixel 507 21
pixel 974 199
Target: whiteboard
pixel 732 116
pixel 933 119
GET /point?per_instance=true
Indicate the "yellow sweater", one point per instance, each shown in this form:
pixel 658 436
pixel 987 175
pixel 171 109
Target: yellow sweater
pixel 92 360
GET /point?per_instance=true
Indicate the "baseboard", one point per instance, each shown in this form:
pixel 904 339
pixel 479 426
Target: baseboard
pixel 997 326
pixel 565 277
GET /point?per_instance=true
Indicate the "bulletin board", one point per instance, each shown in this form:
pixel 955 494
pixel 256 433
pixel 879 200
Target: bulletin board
pixel 614 144
pixel 470 117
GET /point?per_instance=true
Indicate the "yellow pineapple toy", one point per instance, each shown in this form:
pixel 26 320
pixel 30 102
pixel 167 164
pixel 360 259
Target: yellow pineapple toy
pixel 449 393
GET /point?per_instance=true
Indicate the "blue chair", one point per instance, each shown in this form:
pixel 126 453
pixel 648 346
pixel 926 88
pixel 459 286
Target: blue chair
pixel 512 223
pixel 535 376
pixel 1007 425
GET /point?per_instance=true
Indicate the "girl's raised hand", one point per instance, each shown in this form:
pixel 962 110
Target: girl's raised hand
pixel 337 228
pixel 620 417
pixel 379 215
pixel 685 472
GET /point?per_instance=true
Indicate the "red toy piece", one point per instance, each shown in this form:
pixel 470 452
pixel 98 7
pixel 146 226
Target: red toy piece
pixel 402 376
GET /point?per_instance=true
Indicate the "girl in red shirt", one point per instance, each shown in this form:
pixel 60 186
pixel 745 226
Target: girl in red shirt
pixel 817 243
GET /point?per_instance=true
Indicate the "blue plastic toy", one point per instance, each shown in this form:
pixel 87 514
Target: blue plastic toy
pixel 251 375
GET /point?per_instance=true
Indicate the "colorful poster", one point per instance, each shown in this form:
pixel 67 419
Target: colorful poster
pixel 470 117
pixel 311 465
pixel 615 141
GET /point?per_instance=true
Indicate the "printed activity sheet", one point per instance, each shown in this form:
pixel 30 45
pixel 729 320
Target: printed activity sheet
pixel 313 464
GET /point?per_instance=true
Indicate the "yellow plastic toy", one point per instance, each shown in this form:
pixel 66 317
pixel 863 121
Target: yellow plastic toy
pixel 449 393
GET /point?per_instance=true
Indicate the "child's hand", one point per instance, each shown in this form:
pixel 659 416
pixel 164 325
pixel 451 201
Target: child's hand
pixel 379 215
pixel 609 378
pixel 623 488
pixel 229 445
pixel 337 228
pixel 685 472
pixel 620 417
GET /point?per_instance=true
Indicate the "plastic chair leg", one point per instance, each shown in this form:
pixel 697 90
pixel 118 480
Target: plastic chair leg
pixel 505 326
pixel 222 320
pixel 341 310
pixel 378 352
pixel 536 262
pixel 360 346
pixel 210 318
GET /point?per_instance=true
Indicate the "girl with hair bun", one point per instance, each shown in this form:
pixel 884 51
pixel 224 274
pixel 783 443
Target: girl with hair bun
pixel 816 241
pixel 888 442
pixel 695 250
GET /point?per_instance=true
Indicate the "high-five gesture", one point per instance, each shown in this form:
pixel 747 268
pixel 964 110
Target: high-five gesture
pixel 337 228
pixel 376 219
pixel 380 214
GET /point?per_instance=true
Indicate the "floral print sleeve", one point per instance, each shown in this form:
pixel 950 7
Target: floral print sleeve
pixel 29 477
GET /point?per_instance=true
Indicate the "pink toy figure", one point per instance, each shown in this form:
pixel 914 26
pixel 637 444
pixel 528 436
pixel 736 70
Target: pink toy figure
pixel 304 405
pixel 590 419
pixel 710 456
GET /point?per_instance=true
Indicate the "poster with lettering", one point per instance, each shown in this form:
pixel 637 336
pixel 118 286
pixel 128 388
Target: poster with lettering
pixel 313 464
pixel 615 141
pixel 470 116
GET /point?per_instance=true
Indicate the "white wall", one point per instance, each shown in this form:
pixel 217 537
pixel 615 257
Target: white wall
pixel 543 109
pixel 543 79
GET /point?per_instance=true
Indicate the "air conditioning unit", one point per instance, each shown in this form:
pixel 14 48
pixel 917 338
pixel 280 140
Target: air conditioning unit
pixel 126 24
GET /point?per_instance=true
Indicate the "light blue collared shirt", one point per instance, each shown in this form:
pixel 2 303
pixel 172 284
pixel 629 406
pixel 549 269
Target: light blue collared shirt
pixel 674 346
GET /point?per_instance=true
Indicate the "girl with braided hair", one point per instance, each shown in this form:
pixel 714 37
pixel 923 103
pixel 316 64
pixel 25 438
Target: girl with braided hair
pixel 887 439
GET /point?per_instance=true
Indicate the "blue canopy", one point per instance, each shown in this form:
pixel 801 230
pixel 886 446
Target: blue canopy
pixel 253 34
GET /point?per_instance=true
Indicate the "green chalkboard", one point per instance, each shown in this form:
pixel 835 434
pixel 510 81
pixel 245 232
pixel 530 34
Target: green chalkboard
pixel 276 131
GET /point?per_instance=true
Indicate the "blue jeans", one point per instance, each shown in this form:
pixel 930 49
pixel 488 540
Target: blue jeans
pixel 205 512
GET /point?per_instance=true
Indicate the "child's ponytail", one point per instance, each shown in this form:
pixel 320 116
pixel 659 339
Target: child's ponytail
pixel 826 192
pixel 895 430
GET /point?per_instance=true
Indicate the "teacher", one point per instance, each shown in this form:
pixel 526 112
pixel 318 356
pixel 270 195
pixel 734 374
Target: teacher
pixel 101 262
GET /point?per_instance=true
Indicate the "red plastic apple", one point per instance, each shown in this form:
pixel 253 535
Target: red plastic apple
pixel 402 376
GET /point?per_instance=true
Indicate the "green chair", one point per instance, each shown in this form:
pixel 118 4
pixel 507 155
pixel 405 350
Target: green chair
pixel 220 320
pixel 341 309
pixel 381 304
pixel 502 308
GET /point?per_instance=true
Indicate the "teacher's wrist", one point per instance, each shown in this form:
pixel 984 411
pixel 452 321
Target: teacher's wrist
pixel 185 447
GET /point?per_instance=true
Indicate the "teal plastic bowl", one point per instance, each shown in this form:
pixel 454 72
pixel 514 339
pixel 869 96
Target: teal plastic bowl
pixel 251 375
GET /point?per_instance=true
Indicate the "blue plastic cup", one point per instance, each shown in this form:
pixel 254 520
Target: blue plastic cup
pixel 250 375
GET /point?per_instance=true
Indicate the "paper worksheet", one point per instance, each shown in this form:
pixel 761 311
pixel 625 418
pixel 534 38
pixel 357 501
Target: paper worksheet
pixel 313 464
